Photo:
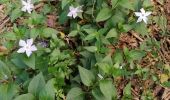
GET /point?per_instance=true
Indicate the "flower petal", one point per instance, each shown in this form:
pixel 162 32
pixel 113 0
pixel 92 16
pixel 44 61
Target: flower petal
pixel 147 13
pixel 138 14
pixel 21 50
pixel 74 15
pixel 23 9
pixel 29 11
pixel 71 8
pixel 139 20
pixel 142 11
pixel 22 43
pixel 29 42
pixel 29 1
pixel 145 19
pixel 28 53
pixel 23 2
pixel 33 48
pixel 69 14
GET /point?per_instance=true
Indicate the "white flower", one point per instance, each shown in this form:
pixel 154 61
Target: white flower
pixel 26 46
pixel 142 15
pixel 100 76
pixel 27 6
pixel 74 11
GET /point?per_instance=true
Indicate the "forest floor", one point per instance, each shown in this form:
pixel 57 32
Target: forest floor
pixel 130 40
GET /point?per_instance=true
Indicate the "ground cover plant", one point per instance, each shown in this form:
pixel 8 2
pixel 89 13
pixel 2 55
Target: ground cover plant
pixel 84 49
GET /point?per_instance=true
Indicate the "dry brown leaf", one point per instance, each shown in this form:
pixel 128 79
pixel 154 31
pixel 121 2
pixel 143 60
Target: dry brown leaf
pixel 166 94
pixel 3 49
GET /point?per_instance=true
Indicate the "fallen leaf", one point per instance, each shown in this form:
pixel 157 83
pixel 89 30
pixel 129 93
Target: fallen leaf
pixel 163 78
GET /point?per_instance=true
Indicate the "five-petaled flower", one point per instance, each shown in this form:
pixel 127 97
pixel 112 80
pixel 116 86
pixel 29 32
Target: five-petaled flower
pixel 27 6
pixel 27 46
pixel 74 11
pixel 142 15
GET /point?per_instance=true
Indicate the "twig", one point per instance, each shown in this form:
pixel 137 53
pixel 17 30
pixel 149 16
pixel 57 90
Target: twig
pixel 136 36
pixel 4 22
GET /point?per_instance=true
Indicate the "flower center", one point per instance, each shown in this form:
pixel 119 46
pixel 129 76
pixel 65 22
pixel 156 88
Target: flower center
pixel 27 47
pixel 143 15
pixel 74 11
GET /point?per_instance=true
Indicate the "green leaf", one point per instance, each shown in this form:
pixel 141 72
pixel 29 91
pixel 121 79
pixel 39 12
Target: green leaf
pixel 47 32
pixel 48 93
pixel 63 17
pixel 104 14
pixel 114 3
pixel 8 91
pixel 98 94
pixel 162 22
pixel 64 3
pixel 73 33
pixel 16 13
pixel 90 36
pixel 86 76
pixel 108 60
pixel 9 36
pixel 127 4
pixel 127 90
pixel 4 70
pixel 34 33
pixel 141 28
pixel 166 84
pixel 136 54
pixel 27 96
pixel 36 84
pixel 118 57
pixel 108 89
pixel 29 61
pixel 112 33
pixel 147 3
pixel 91 48
pixel 75 94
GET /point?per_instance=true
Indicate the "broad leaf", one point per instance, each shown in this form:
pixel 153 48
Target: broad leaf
pixel 108 89
pixel 48 92
pixel 91 48
pixel 112 33
pixel 36 84
pixel 29 61
pixel 8 91
pixel 75 94
pixel 104 14
pixel 97 94
pixel 27 96
pixel 86 76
